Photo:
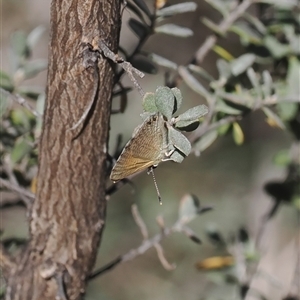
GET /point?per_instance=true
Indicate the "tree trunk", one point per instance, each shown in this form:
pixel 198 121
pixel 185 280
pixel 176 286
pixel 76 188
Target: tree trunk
pixel 68 214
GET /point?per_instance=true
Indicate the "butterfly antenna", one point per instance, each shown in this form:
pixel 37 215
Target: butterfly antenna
pixel 155 184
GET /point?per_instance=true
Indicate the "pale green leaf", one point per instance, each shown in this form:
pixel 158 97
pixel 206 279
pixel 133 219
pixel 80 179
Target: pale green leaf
pixel 172 29
pixel 179 141
pixel 241 64
pixel 176 9
pixel 192 82
pixel 238 135
pixel 161 61
pixel 149 103
pixel 164 101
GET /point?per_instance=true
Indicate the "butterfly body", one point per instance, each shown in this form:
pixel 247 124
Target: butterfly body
pixel 147 147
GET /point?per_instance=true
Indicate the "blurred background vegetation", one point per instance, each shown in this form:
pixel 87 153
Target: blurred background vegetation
pixel 243 171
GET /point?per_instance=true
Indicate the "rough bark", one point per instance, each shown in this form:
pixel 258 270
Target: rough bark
pixel 68 214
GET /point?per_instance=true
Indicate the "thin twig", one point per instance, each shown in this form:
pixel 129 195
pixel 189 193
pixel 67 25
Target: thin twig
pixel 133 253
pixel 128 68
pixel 14 182
pixel 16 188
pixel 20 100
pixel 139 221
pixel 222 28
pixel 161 256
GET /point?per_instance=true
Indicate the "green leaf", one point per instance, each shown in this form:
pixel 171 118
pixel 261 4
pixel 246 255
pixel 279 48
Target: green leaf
pixel 179 141
pixel 296 202
pixel 286 4
pixel 164 101
pixel 143 64
pixel 20 117
pixel 4 104
pixel 201 71
pixel 34 36
pixel 212 26
pixel 287 110
pixel 193 83
pixel 178 98
pixel 246 33
pixel 191 116
pixel 293 77
pixel 221 106
pixel 222 130
pixel 282 158
pixel 172 29
pixel 177 157
pixel 206 140
pixel 20 150
pixel 32 68
pixel 223 53
pixel 253 77
pixel 272 118
pixel 224 69
pixel 143 6
pixel 176 9
pixel 238 135
pixel 149 103
pixel 19 45
pixel 188 208
pixel 6 82
pixel 258 24
pixel 241 64
pixel 161 61
pixel 220 6
pixel 138 28
pixel 267 86
pixel 277 49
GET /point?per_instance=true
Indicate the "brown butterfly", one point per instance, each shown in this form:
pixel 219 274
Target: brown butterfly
pixel 147 148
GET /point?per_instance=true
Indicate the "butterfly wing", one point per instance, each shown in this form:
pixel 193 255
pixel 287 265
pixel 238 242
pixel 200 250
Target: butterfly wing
pixel 144 150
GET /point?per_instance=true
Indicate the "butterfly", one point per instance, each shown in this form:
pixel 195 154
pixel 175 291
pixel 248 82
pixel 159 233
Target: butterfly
pixel 147 148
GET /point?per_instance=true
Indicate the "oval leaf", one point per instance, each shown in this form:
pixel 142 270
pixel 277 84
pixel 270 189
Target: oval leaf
pixel 20 150
pixel 149 103
pixel 179 141
pixel 272 118
pixel 164 101
pixel 178 98
pixel 161 61
pixel 241 64
pixel 193 114
pixel 172 29
pixel 34 36
pixel 223 68
pixel 177 9
pixel 177 157
pixel 238 135
pixel 192 82
pixel 206 140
